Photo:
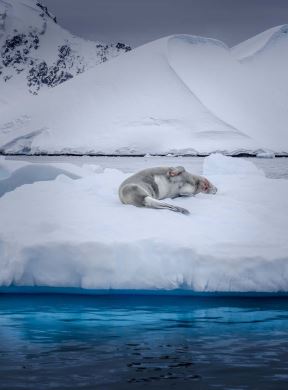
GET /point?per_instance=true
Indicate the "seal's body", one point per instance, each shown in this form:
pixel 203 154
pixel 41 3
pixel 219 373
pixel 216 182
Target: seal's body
pixel 148 187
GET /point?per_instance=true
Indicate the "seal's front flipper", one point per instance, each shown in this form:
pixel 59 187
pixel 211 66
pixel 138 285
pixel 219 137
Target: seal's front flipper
pixel 175 171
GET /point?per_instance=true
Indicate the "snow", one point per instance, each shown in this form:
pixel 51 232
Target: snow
pixel 177 95
pixel 248 95
pixel 218 164
pixel 74 232
pixel 260 42
pixel 14 174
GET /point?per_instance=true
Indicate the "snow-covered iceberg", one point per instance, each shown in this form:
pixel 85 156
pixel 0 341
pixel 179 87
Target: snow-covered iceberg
pixel 74 232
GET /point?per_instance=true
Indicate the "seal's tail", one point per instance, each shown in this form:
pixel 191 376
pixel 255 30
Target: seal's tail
pixel 157 204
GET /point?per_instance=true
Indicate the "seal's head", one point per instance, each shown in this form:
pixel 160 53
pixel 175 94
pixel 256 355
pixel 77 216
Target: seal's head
pixel 206 186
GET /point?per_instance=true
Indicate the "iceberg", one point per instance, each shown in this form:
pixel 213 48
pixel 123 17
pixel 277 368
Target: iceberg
pixel 70 232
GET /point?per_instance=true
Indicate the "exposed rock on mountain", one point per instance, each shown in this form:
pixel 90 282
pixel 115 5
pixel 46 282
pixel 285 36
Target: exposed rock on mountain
pixel 35 52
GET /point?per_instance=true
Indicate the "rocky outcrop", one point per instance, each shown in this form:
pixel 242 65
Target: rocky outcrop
pixel 28 53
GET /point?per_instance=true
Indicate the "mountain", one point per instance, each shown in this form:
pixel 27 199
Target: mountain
pixel 180 94
pixel 36 53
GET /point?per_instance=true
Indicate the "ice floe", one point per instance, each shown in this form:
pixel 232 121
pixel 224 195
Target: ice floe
pixel 76 233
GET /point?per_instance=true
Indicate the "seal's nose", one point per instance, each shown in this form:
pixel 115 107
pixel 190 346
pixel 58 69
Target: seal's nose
pixel 214 190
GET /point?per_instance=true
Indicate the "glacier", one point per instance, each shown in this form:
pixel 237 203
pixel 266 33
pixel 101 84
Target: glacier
pixel 180 95
pixel 69 230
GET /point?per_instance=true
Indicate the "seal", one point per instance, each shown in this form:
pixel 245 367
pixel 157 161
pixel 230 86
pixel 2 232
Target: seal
pixel 148 187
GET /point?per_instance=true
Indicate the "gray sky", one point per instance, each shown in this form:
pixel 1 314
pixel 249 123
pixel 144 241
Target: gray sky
pixel 139 21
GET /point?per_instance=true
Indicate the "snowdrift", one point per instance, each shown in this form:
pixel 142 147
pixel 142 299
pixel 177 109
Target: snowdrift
pixel 74 232
pixel 180 94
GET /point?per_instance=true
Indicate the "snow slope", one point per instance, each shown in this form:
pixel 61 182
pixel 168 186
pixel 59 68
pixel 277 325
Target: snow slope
pixel 36 53
pixel 259 43
pixel 180 94
pixel 74 232
pixel 250 95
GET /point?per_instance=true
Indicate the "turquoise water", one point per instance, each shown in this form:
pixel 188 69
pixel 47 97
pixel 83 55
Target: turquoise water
pixel 131 342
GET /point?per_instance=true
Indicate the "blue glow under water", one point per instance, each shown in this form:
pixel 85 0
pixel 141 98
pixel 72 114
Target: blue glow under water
pixel 131 342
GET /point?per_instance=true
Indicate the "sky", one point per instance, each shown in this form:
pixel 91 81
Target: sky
pixel 136 22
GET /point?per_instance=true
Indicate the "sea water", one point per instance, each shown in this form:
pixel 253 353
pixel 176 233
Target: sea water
pixel 273 167
pixel 126 342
